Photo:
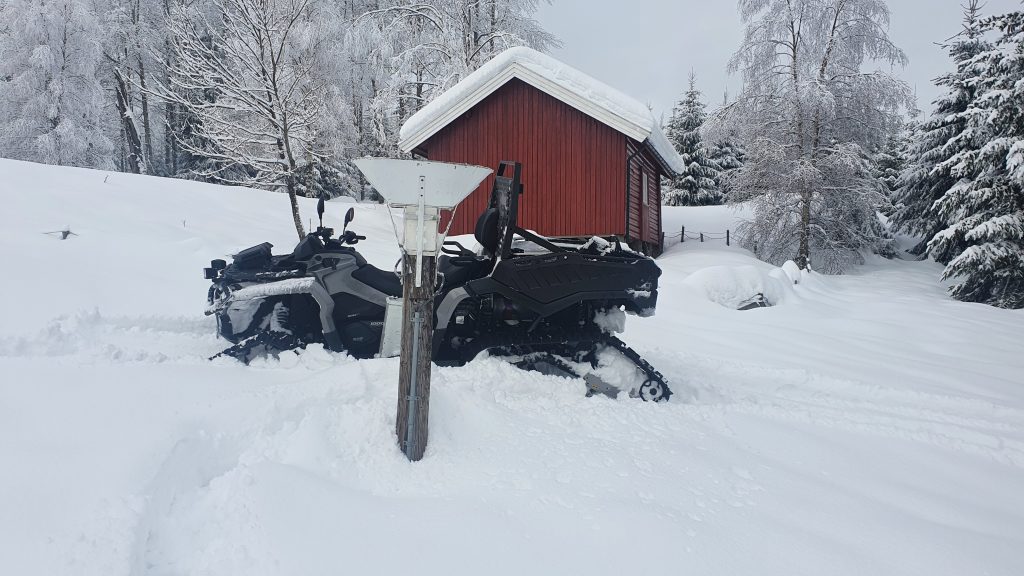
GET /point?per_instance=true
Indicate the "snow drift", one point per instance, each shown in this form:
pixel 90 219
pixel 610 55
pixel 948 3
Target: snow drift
pixel 868 425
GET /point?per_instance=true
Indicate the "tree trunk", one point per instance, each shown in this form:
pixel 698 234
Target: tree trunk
pixel 494 25
pixel 803 258
pixel 170 122
pixel 285 150
pixel 135 160
pixel 293 199
pixel 146 129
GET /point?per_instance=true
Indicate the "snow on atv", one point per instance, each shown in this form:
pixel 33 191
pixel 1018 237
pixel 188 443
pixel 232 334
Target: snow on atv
pixel 538 303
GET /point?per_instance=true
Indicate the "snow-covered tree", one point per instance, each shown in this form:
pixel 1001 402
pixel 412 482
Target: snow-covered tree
pixel 697 184
pixel 728 157
pixel 889 161
pixel 426 47
pixel 807 114
pixel 51 95
pixel 242 73
pixel 944 134
pixel 984 209
pixel 133 29
pixel 237 91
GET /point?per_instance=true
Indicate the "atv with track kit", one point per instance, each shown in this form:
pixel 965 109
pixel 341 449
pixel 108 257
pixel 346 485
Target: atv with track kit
pixel 536 302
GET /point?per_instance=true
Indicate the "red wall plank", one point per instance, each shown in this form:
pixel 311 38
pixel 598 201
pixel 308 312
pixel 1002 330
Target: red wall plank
pixel 644 162
pixel 574 167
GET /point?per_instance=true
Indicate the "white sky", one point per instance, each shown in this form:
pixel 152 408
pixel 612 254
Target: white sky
pixel 646 48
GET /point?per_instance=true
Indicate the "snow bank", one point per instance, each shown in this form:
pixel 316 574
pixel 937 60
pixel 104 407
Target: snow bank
pixel 729 286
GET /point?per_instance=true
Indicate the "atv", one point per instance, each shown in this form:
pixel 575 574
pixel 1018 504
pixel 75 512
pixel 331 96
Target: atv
pixel 539 303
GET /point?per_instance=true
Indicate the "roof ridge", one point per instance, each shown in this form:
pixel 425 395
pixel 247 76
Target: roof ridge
pixel 547 74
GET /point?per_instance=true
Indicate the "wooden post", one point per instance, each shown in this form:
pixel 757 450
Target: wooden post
pixel 422 189
pixel 417 347
pixel 701 236
pixel 727 237
pixel 682 235
pixel 662 240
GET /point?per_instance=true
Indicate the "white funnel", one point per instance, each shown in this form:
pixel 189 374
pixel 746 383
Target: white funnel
pixel 410 182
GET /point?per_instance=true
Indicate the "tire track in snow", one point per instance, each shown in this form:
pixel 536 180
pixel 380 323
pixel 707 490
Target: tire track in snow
pixel 146 339
pixel 920 417
pixel 834 415
pixel 965 424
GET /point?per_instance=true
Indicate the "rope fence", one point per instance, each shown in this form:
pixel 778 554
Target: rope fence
pixel 683 236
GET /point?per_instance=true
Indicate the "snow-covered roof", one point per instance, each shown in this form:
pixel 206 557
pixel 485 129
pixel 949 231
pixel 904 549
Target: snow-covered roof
pixel 584 93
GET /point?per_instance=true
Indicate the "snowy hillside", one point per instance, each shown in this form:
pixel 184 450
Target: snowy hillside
pixel 865 424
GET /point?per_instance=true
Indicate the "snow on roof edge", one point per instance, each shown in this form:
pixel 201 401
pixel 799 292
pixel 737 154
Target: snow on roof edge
pixel 620 111
pixel 663 148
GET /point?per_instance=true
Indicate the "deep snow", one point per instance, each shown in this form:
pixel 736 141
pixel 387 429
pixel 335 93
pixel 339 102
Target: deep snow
pixel 865 424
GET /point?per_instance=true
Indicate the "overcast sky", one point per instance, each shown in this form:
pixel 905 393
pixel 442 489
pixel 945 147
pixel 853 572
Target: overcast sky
pixel 646 48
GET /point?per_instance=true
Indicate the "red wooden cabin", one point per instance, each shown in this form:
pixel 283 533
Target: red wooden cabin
pixel 592 157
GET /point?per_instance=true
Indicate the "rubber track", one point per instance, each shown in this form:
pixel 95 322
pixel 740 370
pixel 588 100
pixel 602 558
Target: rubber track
pixel 273 343
pixel 587 342
pixel 639 362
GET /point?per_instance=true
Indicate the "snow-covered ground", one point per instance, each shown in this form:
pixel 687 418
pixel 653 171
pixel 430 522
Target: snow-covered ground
pixel 865 424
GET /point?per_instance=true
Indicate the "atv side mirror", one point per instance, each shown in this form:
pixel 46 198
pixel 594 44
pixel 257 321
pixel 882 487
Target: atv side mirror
pixel 349 217
pixel 320 209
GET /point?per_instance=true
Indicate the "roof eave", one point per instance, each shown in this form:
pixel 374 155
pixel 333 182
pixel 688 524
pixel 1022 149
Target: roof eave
pixel 666 168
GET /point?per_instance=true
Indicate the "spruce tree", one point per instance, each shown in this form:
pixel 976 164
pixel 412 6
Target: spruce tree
pixel 891 160
pixel 728 157
pixel 696 186
pixel 985 207
pixel 926 176
pixel 727 153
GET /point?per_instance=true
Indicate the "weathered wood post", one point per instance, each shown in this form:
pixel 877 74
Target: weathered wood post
pixel 701 236
pixel 682 235
pixel 422 190
pixel 411 423
pixel 727 237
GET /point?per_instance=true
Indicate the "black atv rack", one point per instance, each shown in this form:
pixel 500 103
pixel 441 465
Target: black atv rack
pixel 505 198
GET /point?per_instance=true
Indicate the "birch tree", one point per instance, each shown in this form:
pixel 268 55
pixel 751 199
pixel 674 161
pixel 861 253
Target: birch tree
pixel 272 93
pixel 807 113
pixel 427 47
pixel 132 28
pixel 254 102
pixel 51 93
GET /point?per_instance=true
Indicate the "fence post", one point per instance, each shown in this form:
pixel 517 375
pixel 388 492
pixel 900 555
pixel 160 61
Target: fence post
pixel 727 237
pixel 662 239
pixel 701 236
pixel 682 235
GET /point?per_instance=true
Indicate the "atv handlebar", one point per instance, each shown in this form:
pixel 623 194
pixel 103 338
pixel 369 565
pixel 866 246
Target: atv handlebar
pixel 346 237
pixel 350 237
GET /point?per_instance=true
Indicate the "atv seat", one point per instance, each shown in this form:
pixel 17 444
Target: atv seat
pixel 456 275
pixel 488 231
pixel 386 282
